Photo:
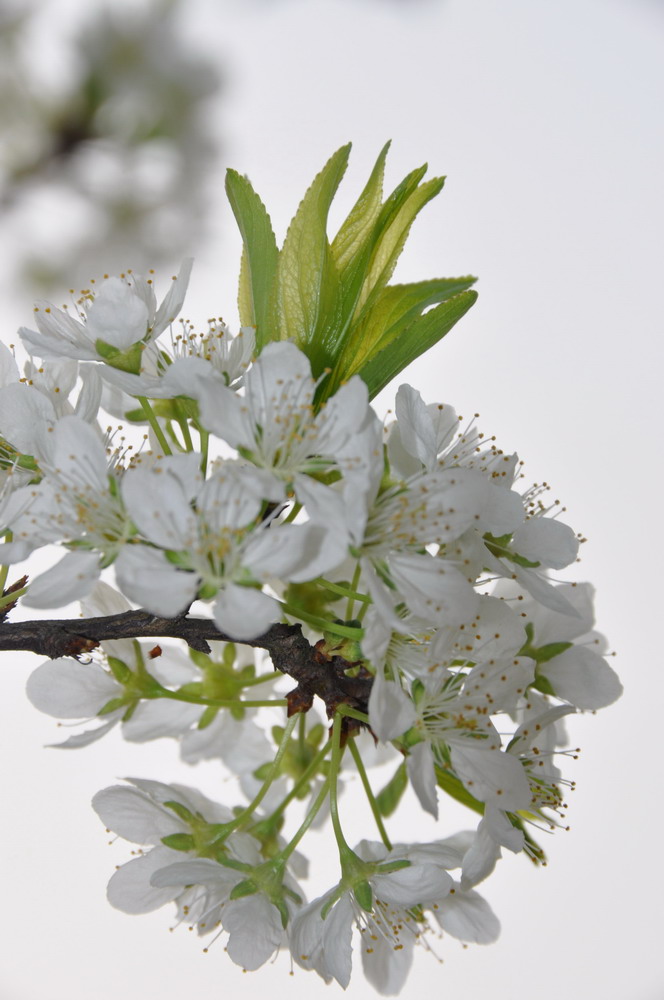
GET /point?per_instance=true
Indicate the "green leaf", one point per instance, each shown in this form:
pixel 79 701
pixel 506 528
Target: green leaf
pixel 392 239
pixel 422 334
pixel 307 299
pixel 260 257
pixel 360 222
pixel 394 310
pixel 389 797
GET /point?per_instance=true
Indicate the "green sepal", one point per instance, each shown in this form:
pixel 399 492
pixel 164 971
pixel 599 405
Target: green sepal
pixel 426 331
pixel 364 896
pixel 125 361
pixel 393 866
pixel 179 841
pixel 260 257
pixel 389 797
pixel 280 904
pixel 119 669
pixel 245 888
pixel 181 811
pixel 551 649
pixel 208 717
pixel 177 558
pixel 543 684
pixel 112 706
pixel 521 560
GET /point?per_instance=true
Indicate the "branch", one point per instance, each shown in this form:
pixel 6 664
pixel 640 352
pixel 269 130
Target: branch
pixel 314 671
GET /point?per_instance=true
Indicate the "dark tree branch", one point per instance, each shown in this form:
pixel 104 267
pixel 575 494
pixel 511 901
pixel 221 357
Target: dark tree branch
pixel 315 672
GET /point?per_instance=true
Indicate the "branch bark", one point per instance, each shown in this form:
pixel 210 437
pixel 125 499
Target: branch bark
pixel 314 671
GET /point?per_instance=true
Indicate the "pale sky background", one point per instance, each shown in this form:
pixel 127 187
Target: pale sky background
pixel 546 118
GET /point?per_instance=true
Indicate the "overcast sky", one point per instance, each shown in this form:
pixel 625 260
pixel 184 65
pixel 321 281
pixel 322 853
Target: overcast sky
pixel 547 120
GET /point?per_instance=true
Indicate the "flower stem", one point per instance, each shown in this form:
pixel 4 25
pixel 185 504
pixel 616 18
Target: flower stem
pixel 359 763
pixel 354 596
pixel 184 427
pixel 272 774
pixel 4 570
pixel 195 699
pixel 322 623
pixel 308 772
pixel 154 424
pixel 335 764
pixel 308 820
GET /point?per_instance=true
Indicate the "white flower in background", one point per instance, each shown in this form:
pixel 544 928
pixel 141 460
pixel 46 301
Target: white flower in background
pixel 254 922
pixel 572 661
pixel 322 932
pixel 121 315
pixel 79 505
pixel 428 436
pixel 216 355
pixel 453 716
pixel 137 812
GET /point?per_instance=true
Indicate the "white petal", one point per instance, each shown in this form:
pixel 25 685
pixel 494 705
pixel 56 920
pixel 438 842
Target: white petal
pixel 133 815
pixel 174 299
pixel 89 736
pixel 146 577
pixel 158 501
pixel 433 589
pixel 342 415
pixel 202 871
pixel 130 889
pixel 385 966
pixel 117 316
pixel 244 613
pixel 480 859
pixel 391 712
pixel 255 931
pixel 68 689
pixel 23 410
pixel 420 883
pixel 153 720
pixel 547 541
pixel 583 678
pixel 69 580
pixel 338 933
pixel 423 777
pixel 415 425
pixel 492 776
pixel 468 916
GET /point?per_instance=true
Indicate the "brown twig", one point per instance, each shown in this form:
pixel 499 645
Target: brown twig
pixel 314 672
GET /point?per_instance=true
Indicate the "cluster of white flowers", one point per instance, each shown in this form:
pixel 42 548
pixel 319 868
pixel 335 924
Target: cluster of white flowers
pixel 409 553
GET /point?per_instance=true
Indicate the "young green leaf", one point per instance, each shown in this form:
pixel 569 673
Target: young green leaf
pixel 359 224
pixel 422 334
pixel 257 275
pixel 394 310
pixel 307 299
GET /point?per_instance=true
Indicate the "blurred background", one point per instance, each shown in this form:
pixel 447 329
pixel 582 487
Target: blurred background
pixel 116 125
